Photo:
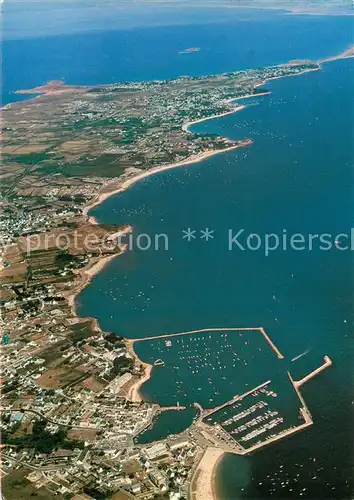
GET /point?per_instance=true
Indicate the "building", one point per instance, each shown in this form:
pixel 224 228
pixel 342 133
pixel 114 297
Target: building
pixel 155 451
pixel 179 444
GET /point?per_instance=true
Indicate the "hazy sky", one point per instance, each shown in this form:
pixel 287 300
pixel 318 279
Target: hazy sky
pixel 31 18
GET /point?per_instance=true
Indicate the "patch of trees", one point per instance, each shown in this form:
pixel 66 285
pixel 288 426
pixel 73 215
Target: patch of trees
pixel 96 494
pixel 72 444
pixel 121 365
pixel 42 440
pixel 70 225
pixel 113 341
pixel 78 198
pixel 10 387
pixel 64 259
pixel 57 299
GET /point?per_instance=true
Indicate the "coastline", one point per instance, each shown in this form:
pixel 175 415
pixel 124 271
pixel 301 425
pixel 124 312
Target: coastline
pixel 126 184
pixel 94 266
pixel 86 274
pixel 214 488
pixel 186 125
pixel 135 390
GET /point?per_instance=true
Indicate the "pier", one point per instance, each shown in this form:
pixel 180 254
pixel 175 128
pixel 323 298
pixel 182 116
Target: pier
pixel 191 332
pixel 172 408
pixel 206 412
pixel 213 330
pixel 326 364
pixel 272 345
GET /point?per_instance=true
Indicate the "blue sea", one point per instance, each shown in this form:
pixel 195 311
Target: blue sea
pixel 295 178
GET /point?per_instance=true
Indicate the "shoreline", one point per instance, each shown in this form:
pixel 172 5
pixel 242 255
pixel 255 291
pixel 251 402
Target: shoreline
pixel 126 184
pixel 203 481
pixel 86 275
pixel 214 476
pixel 134 394
pixel 186 125
pixel 135 390
pixel 88 272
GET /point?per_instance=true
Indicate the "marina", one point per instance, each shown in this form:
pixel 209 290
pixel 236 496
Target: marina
pixel 253 420
pixel 208 360
pixel 211 330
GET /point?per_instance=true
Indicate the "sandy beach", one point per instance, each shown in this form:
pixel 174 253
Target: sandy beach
pixel 186 125
pixel 249 96
pixel 86 274
pixel 134 391
pixel 203 481
pixel 94 267
pixel 133 180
